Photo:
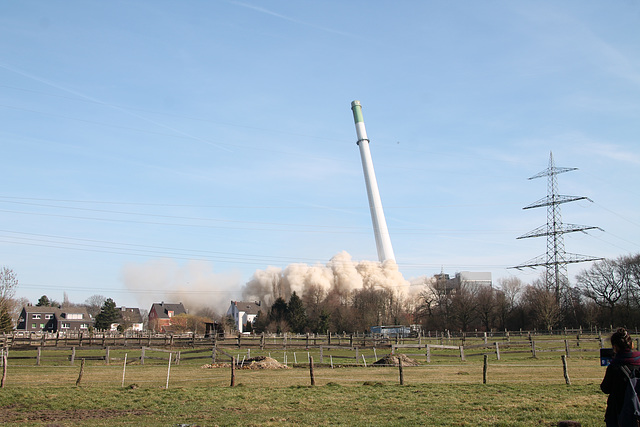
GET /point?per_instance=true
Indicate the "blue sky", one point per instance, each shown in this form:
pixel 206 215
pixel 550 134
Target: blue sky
pixel 151 145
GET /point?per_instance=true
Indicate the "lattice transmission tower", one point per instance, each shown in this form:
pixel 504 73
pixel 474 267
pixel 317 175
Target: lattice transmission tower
pixel 556 259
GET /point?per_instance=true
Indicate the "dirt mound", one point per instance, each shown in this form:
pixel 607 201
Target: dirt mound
pixel 216 365
pixel 394 360
pixel 262 362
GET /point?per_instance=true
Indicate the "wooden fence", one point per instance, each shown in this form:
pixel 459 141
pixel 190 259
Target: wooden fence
pixel 270 341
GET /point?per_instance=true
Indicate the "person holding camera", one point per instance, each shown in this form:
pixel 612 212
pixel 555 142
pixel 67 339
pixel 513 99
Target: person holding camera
pixel 615 381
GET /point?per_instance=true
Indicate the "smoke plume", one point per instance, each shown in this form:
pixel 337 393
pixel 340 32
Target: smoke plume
pixel 198 287
pixel 340 275
pixel 193 284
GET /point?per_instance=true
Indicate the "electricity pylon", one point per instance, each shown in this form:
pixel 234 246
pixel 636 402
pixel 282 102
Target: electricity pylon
pixel 556 259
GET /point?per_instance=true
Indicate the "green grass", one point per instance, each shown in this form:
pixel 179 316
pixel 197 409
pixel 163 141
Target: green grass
pixel 522 391
pixel 330 404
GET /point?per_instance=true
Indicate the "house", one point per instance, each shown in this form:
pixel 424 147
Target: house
pixel 53 319
pixel 243 312
pixel 130 319
pixel 161 313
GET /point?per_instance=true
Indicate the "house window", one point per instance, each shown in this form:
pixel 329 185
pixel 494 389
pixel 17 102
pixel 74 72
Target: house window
pixel 35 316
pixel 66 326
pixel 41 325
pixel 75 316
pixel 33 326
pixel 170 313
pixel 48 316
pixel 84 326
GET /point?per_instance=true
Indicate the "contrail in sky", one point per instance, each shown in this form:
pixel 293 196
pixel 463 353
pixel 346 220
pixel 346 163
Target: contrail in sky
pixel 295 21
pixel 80 95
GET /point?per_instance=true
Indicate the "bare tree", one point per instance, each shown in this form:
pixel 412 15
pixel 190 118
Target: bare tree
pixel 507 298
pixel 8 285
pixel 464 306
pixel 630 266
pixel 487 306
pixel 144 313
pixel 543 305
pixel 604 284
pixel 94 304
pixel 313 299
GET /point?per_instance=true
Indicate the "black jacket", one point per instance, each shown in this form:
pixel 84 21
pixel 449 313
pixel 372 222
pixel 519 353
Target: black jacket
pixel 614 383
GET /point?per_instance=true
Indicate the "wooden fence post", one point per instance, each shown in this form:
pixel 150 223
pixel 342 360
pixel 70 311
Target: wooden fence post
pixel 428 353
pixel 313 378
pixel 142 356
pixel 81 373
pixel 107 356
pixel 400 371
pixel 497 351
pixel 124 368
pixel 38 356
pixel 565 370
pixel 233 372
pixel 566 347
pixel 321 355
pixel 484 369
pixel 533 348
pixel 462 353
pixel 4 369
pixel 168 371
pixel 73 355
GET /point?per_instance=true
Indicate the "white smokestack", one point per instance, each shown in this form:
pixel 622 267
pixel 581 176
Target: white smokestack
pixel 383 241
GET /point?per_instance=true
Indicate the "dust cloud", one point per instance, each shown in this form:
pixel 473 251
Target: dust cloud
pixel 194 284
pixel 198 287
pixel 341 275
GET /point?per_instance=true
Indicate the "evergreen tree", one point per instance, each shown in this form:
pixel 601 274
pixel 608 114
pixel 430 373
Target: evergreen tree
pixel 296 314
pixel 323 322
pixel 108 314
pixel 278 310
pixel 261 322
pixel 43 301
pixel 6 325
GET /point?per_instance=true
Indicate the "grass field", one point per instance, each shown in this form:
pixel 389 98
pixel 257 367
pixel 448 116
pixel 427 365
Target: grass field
pixel 520 390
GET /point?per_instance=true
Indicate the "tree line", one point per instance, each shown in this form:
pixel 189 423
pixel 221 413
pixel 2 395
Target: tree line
pixel 605 294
